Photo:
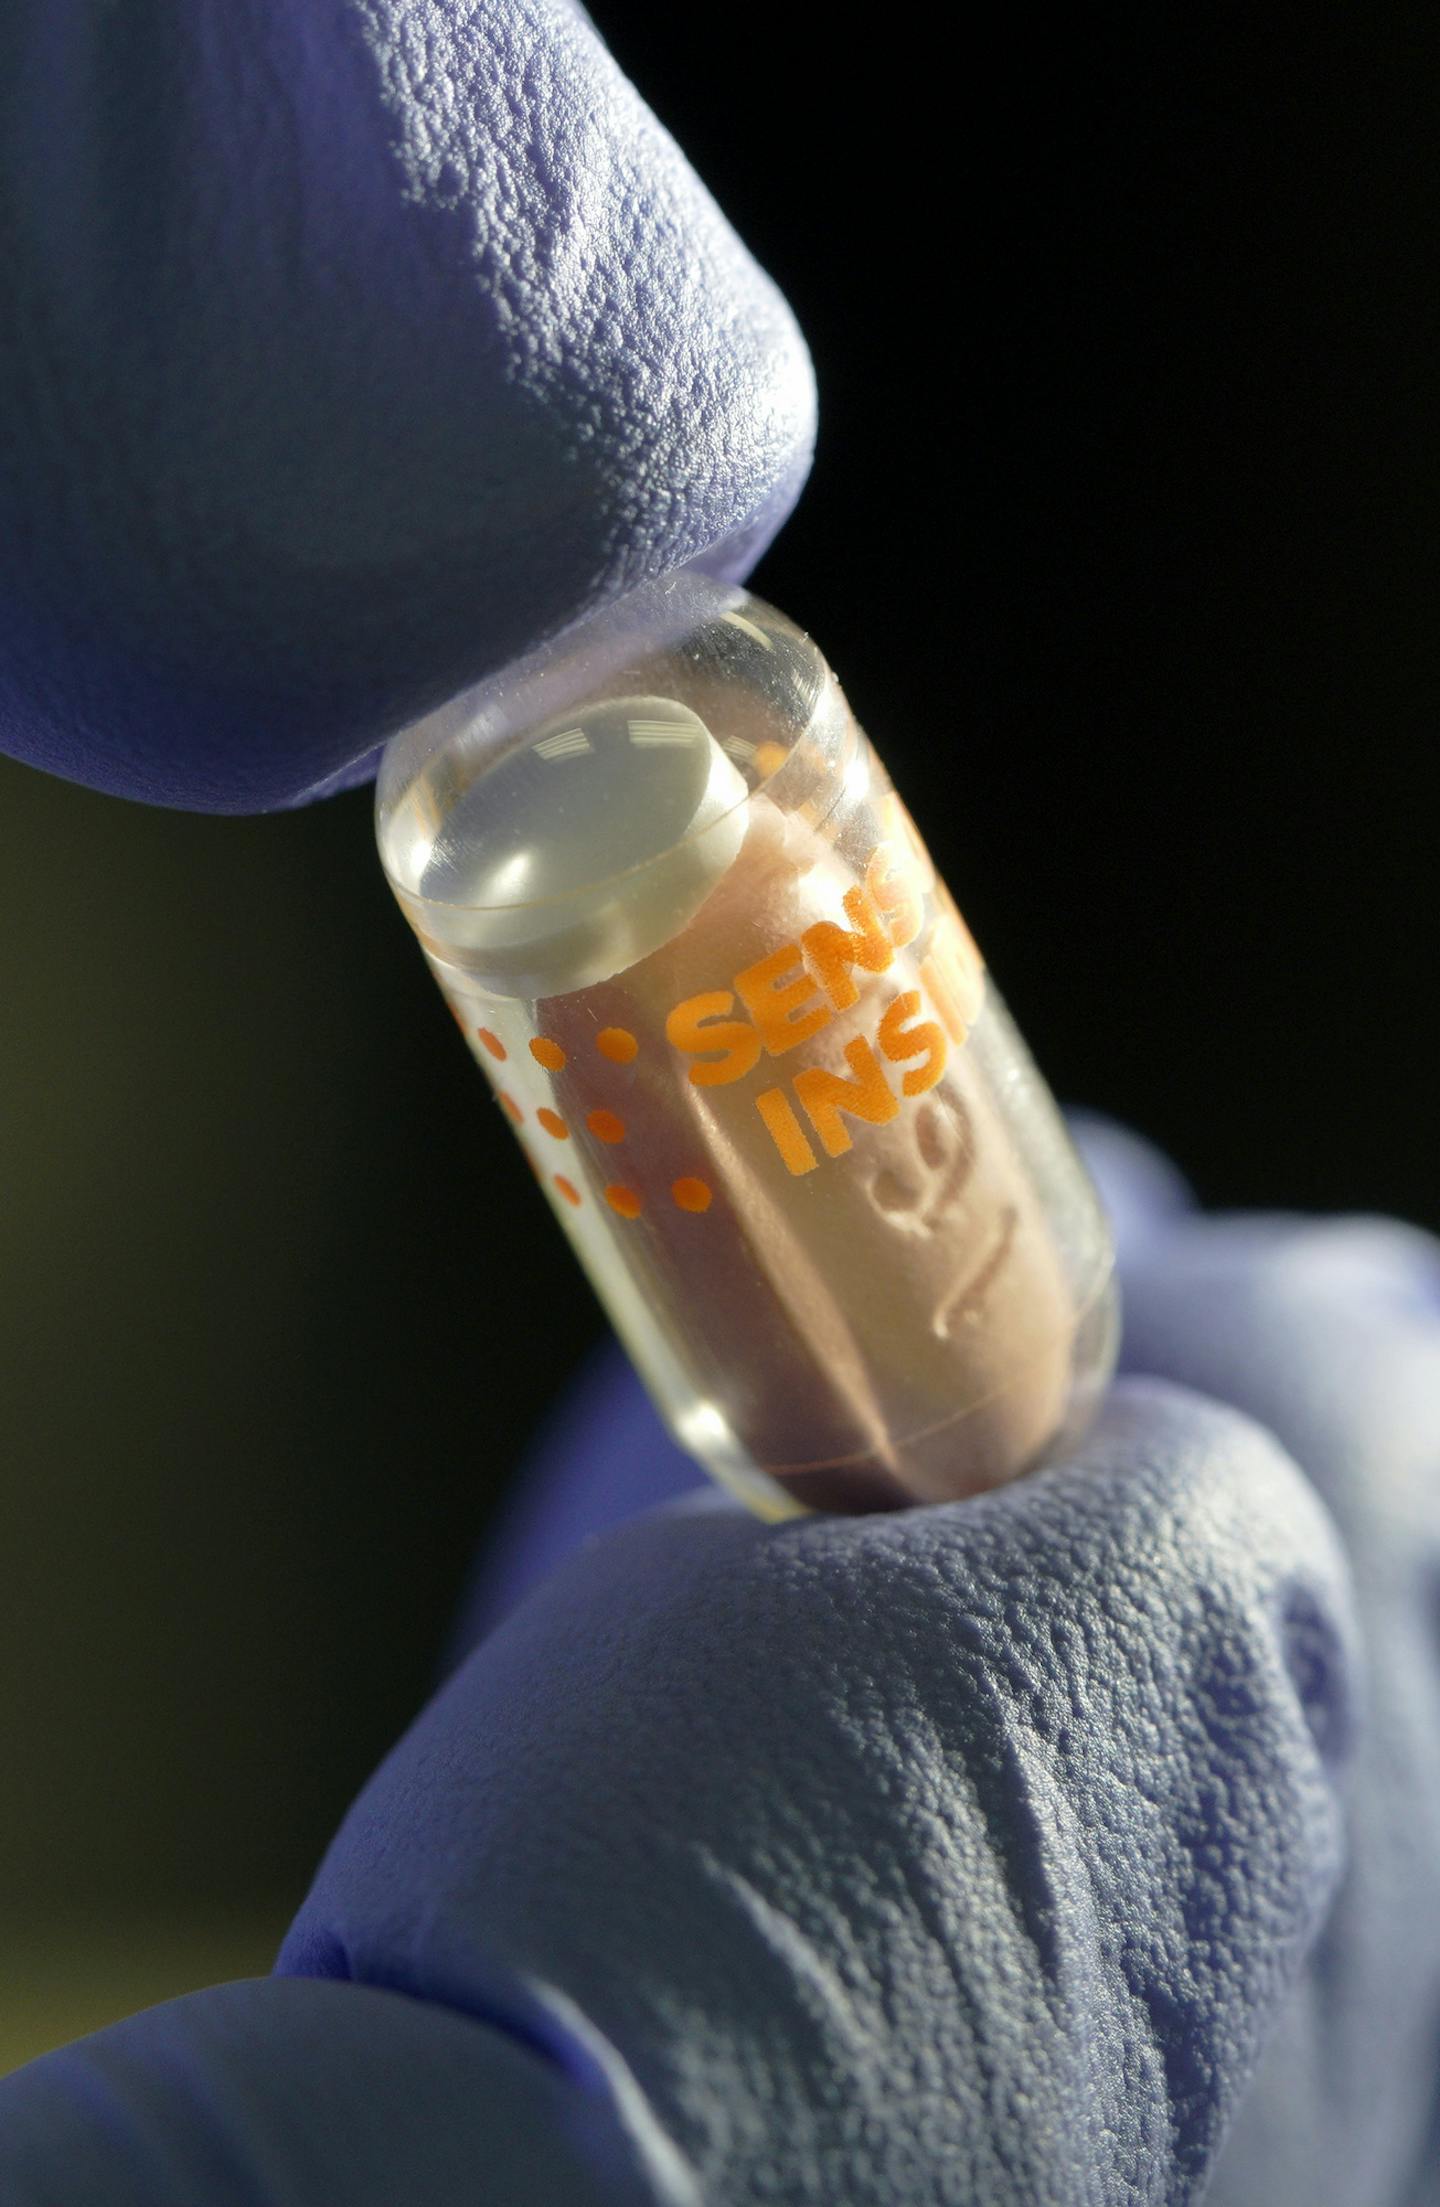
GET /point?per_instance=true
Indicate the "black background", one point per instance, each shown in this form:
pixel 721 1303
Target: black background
pixel 1123 538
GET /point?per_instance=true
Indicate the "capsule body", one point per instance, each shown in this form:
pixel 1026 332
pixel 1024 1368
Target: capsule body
pixel 750 1049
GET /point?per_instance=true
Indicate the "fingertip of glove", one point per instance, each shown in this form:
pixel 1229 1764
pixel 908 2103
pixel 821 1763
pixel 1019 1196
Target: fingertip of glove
pixel 1178 1454
pixel 603 1458
pixel 354 776
pixel 386 400
pixel 1381 1265
pixel 1142 1190
pixel 1209 1502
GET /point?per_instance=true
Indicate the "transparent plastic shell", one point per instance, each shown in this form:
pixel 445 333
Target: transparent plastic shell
pixel 747 1044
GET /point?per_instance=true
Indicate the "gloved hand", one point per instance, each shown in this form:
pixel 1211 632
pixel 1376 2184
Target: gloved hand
pixel 1001 1852
pixel 349 349
pixel 968 1855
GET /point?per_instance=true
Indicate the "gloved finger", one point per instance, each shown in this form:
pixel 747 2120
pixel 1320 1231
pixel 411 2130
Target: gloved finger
pixel 282 2093
pixel 356 348
pixel 1329 1332
pixel 963 1853
pixel 1143 1192
pixel 605 1455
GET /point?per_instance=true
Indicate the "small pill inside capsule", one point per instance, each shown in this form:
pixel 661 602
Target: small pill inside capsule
pixel 699 949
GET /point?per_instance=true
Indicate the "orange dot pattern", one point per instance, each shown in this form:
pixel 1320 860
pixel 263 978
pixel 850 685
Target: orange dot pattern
pixel 620 1047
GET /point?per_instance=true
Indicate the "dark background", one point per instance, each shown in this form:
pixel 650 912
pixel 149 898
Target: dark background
pixel 1123 537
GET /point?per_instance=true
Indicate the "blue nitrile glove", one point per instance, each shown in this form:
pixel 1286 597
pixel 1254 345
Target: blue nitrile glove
pixel 965 1856
pixel 972 1854
pixel 347 348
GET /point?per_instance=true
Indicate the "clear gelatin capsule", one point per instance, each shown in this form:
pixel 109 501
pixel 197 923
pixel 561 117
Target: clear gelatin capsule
pixel 746 1042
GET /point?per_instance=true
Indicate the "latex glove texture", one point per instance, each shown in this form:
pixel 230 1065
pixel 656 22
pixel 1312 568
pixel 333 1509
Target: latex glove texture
pixel 967 1855
pixel 346 350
